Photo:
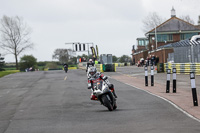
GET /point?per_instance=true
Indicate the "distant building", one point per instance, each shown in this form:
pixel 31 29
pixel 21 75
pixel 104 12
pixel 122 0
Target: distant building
pixel 172 30
pixel 142 44
pixel 142 49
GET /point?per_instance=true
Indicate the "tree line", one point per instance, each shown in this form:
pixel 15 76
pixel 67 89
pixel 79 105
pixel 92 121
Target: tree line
pixel 29 61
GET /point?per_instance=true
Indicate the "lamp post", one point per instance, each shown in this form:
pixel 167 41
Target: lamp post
pixel 152 46
pixel 156 36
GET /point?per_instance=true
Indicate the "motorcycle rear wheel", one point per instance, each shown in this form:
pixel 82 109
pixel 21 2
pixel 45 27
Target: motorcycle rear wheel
pixel 107 103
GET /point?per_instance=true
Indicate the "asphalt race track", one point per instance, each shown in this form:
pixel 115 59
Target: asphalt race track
pixel 56 102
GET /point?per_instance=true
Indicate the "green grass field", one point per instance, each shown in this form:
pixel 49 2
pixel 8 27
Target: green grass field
pixel 10 70
pixel 4 73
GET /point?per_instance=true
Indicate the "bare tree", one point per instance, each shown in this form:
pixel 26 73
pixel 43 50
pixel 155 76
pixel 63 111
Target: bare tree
pixel 187 19
pixel 151 21
pixel 15 36
pixel 63 55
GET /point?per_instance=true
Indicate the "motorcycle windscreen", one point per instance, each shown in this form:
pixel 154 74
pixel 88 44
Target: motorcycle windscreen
pixel 99 85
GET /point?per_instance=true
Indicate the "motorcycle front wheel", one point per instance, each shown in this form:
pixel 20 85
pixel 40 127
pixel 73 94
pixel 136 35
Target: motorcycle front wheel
pixel 115 106
pixel 66 70
pixel 107 103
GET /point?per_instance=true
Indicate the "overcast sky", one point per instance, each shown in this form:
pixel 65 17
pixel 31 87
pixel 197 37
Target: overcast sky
pixel 113 25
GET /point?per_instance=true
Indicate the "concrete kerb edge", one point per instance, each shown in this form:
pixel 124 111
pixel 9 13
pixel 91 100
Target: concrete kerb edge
pixel 177 107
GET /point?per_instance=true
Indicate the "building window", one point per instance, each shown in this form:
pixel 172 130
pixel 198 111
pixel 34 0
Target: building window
pixel 143 42
pixel 170 37
pixel 164 37
pixel 146 42
pixel 187 35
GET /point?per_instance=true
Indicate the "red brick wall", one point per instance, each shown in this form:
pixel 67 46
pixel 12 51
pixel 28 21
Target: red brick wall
pixel 140 55
pixel 140 48
pixel 162 54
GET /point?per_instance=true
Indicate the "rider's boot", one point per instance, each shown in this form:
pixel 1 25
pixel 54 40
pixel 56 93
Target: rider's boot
pixel 93 97
pixel 111 87
pixel 114 93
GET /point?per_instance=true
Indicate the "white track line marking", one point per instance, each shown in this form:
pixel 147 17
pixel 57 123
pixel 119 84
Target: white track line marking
pixel 189 115
pixel 186 113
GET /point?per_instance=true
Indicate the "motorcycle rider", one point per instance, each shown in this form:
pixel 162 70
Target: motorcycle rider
pixel 94 78
pixel 89 64
pixel 65 67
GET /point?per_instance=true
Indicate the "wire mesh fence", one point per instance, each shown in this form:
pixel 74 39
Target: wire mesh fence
pixel 185 51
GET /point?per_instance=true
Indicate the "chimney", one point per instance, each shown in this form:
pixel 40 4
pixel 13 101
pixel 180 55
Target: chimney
pixel 133 47
pixel 133 50
pixel 173 12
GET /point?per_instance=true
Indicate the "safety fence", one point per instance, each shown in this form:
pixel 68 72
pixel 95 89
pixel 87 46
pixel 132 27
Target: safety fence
pixel 105 67
pixel 119 64
pixel 110 67
pixel 185 68
pixel 99 67
pixel 122 64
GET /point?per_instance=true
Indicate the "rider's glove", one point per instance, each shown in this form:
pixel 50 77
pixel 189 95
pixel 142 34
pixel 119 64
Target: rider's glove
pixel 109 85
pixel 89 85
pixel 104 77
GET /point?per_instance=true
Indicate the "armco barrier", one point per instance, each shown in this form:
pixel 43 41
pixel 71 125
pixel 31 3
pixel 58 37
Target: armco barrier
pixel 99 67
pixel 185 68
pixel 119 64
pixel 70 68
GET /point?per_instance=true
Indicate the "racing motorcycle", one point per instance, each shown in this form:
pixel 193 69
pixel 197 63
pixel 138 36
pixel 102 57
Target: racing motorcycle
pixel 65 68
pixel 105 95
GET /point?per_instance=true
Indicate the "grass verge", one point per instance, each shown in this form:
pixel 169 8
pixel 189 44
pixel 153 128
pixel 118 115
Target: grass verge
pixel 4 73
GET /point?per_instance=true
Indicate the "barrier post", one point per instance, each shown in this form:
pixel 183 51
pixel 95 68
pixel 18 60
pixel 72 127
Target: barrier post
pixel 194 92
pixel 152 75
pixel 174 80
pixel 146 75
pixel 168 81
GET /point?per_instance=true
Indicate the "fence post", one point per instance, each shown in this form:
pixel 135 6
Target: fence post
pixel 146 75
pixel 174 80
pixel 194 92
pixel 152 75
pixel 168 81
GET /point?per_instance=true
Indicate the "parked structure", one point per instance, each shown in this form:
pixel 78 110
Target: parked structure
pixel 171 31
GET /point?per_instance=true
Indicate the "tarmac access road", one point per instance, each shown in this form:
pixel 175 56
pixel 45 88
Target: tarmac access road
pixel 56 102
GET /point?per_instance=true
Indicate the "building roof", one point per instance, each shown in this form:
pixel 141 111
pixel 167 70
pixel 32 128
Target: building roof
pixel 182 43
pixel 142 38
pixel 175 24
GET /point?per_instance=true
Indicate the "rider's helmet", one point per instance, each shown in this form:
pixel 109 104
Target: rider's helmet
pixel 90 60
pixel 92 71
